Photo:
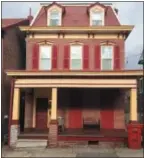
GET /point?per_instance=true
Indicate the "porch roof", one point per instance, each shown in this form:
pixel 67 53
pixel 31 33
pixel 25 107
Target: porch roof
pixel 32 73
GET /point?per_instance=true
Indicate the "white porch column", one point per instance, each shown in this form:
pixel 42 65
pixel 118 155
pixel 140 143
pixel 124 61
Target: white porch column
pixel 133 104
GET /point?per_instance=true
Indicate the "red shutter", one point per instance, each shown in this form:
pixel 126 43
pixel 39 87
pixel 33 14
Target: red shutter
pixel 35 57
pixel 86 57
pixel 116 58
pixel 97 57
pixel 66 56
pixel 54 57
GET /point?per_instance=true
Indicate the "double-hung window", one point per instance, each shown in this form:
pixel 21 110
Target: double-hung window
pixel 97 18
pixel 54 18
pixel 45 58
pixel 106 57
pixel 76 57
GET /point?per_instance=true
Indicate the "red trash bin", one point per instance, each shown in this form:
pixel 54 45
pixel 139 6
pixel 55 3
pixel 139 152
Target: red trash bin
pixel 134 136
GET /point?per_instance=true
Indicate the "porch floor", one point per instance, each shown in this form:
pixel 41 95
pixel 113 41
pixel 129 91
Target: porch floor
pixel 78 134
pixel 95 133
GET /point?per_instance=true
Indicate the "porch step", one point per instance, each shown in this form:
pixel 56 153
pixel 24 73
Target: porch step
pixel 25 143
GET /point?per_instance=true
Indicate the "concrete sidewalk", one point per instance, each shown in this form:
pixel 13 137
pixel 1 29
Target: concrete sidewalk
pixel 79 151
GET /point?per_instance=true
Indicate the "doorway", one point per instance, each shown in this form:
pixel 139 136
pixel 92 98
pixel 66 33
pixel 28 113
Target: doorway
pixel 41 113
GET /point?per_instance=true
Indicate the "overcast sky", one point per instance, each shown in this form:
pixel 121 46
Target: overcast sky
pixel 130 13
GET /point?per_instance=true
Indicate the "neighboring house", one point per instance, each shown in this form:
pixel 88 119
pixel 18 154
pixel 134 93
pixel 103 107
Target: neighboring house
pixel 141 89
pixel 74 82
pixel 13 57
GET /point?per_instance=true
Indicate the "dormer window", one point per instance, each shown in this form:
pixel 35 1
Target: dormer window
pixel 54 18
pixel 97 13
pixel 97 18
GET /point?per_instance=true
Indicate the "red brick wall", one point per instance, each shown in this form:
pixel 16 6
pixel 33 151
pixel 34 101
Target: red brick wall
pixel 13 56
pixel 61 44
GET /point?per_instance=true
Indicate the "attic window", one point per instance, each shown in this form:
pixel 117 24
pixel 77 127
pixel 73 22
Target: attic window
pixel 97 18
pixel 54 16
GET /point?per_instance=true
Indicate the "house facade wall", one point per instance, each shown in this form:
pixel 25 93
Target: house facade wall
pixel 61 43
pixel 13 57
pixel 76 16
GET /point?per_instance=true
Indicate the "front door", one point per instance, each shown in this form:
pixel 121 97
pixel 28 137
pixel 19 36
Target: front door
pixel 41 113
pixel 75 118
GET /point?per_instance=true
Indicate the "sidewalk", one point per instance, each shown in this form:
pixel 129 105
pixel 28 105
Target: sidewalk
pixel 78 151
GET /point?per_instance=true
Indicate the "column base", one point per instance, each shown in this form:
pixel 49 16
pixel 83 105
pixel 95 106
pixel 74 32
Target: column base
pixel 53 133
pixel 134 135
pixel 14 132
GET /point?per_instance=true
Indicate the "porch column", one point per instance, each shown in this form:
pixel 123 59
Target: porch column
pixel 14 128
pixel 133 105
pixel 134 128
pixel 53 127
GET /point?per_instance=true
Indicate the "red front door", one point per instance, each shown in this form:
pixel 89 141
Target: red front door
pixel 41 113
pixel 75 118
pixel 107 119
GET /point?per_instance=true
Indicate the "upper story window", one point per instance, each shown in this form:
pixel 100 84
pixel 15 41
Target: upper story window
pixel 76 57
pixel 54 18
pixel 45 57
pixel 97 18
pixel 106 57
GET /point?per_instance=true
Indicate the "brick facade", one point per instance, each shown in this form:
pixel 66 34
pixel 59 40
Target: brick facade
pixel 13 57
pixel 53 133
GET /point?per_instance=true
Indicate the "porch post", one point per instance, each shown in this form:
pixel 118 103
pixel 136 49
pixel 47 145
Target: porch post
pixel 53 127
pixel 134 128
pixel 14 128
pixel 133 105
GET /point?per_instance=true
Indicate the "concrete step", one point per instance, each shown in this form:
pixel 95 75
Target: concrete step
pixel 25 143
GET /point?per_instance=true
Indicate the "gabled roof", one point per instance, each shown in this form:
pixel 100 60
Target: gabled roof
pixel 9 22
pixel 54 3
pixel 97 3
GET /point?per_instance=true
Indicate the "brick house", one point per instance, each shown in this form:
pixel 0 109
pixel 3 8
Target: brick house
pixel 74 82
pixel 13 55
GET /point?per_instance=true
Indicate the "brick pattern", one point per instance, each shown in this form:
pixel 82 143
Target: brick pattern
pixel 14 131
pixel 52 136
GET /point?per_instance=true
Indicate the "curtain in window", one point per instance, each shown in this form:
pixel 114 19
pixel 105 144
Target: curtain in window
pixel 76 57
pixel 106 55
pixel 45 58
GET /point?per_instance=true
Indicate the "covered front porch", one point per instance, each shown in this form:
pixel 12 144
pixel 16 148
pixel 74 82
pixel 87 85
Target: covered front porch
pixel 92 108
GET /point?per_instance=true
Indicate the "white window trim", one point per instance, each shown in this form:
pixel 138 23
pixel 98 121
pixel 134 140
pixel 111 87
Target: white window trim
pixel 112 68
pixel 102 11
pixel 81 57
pixel 49 12
pixel 50 57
